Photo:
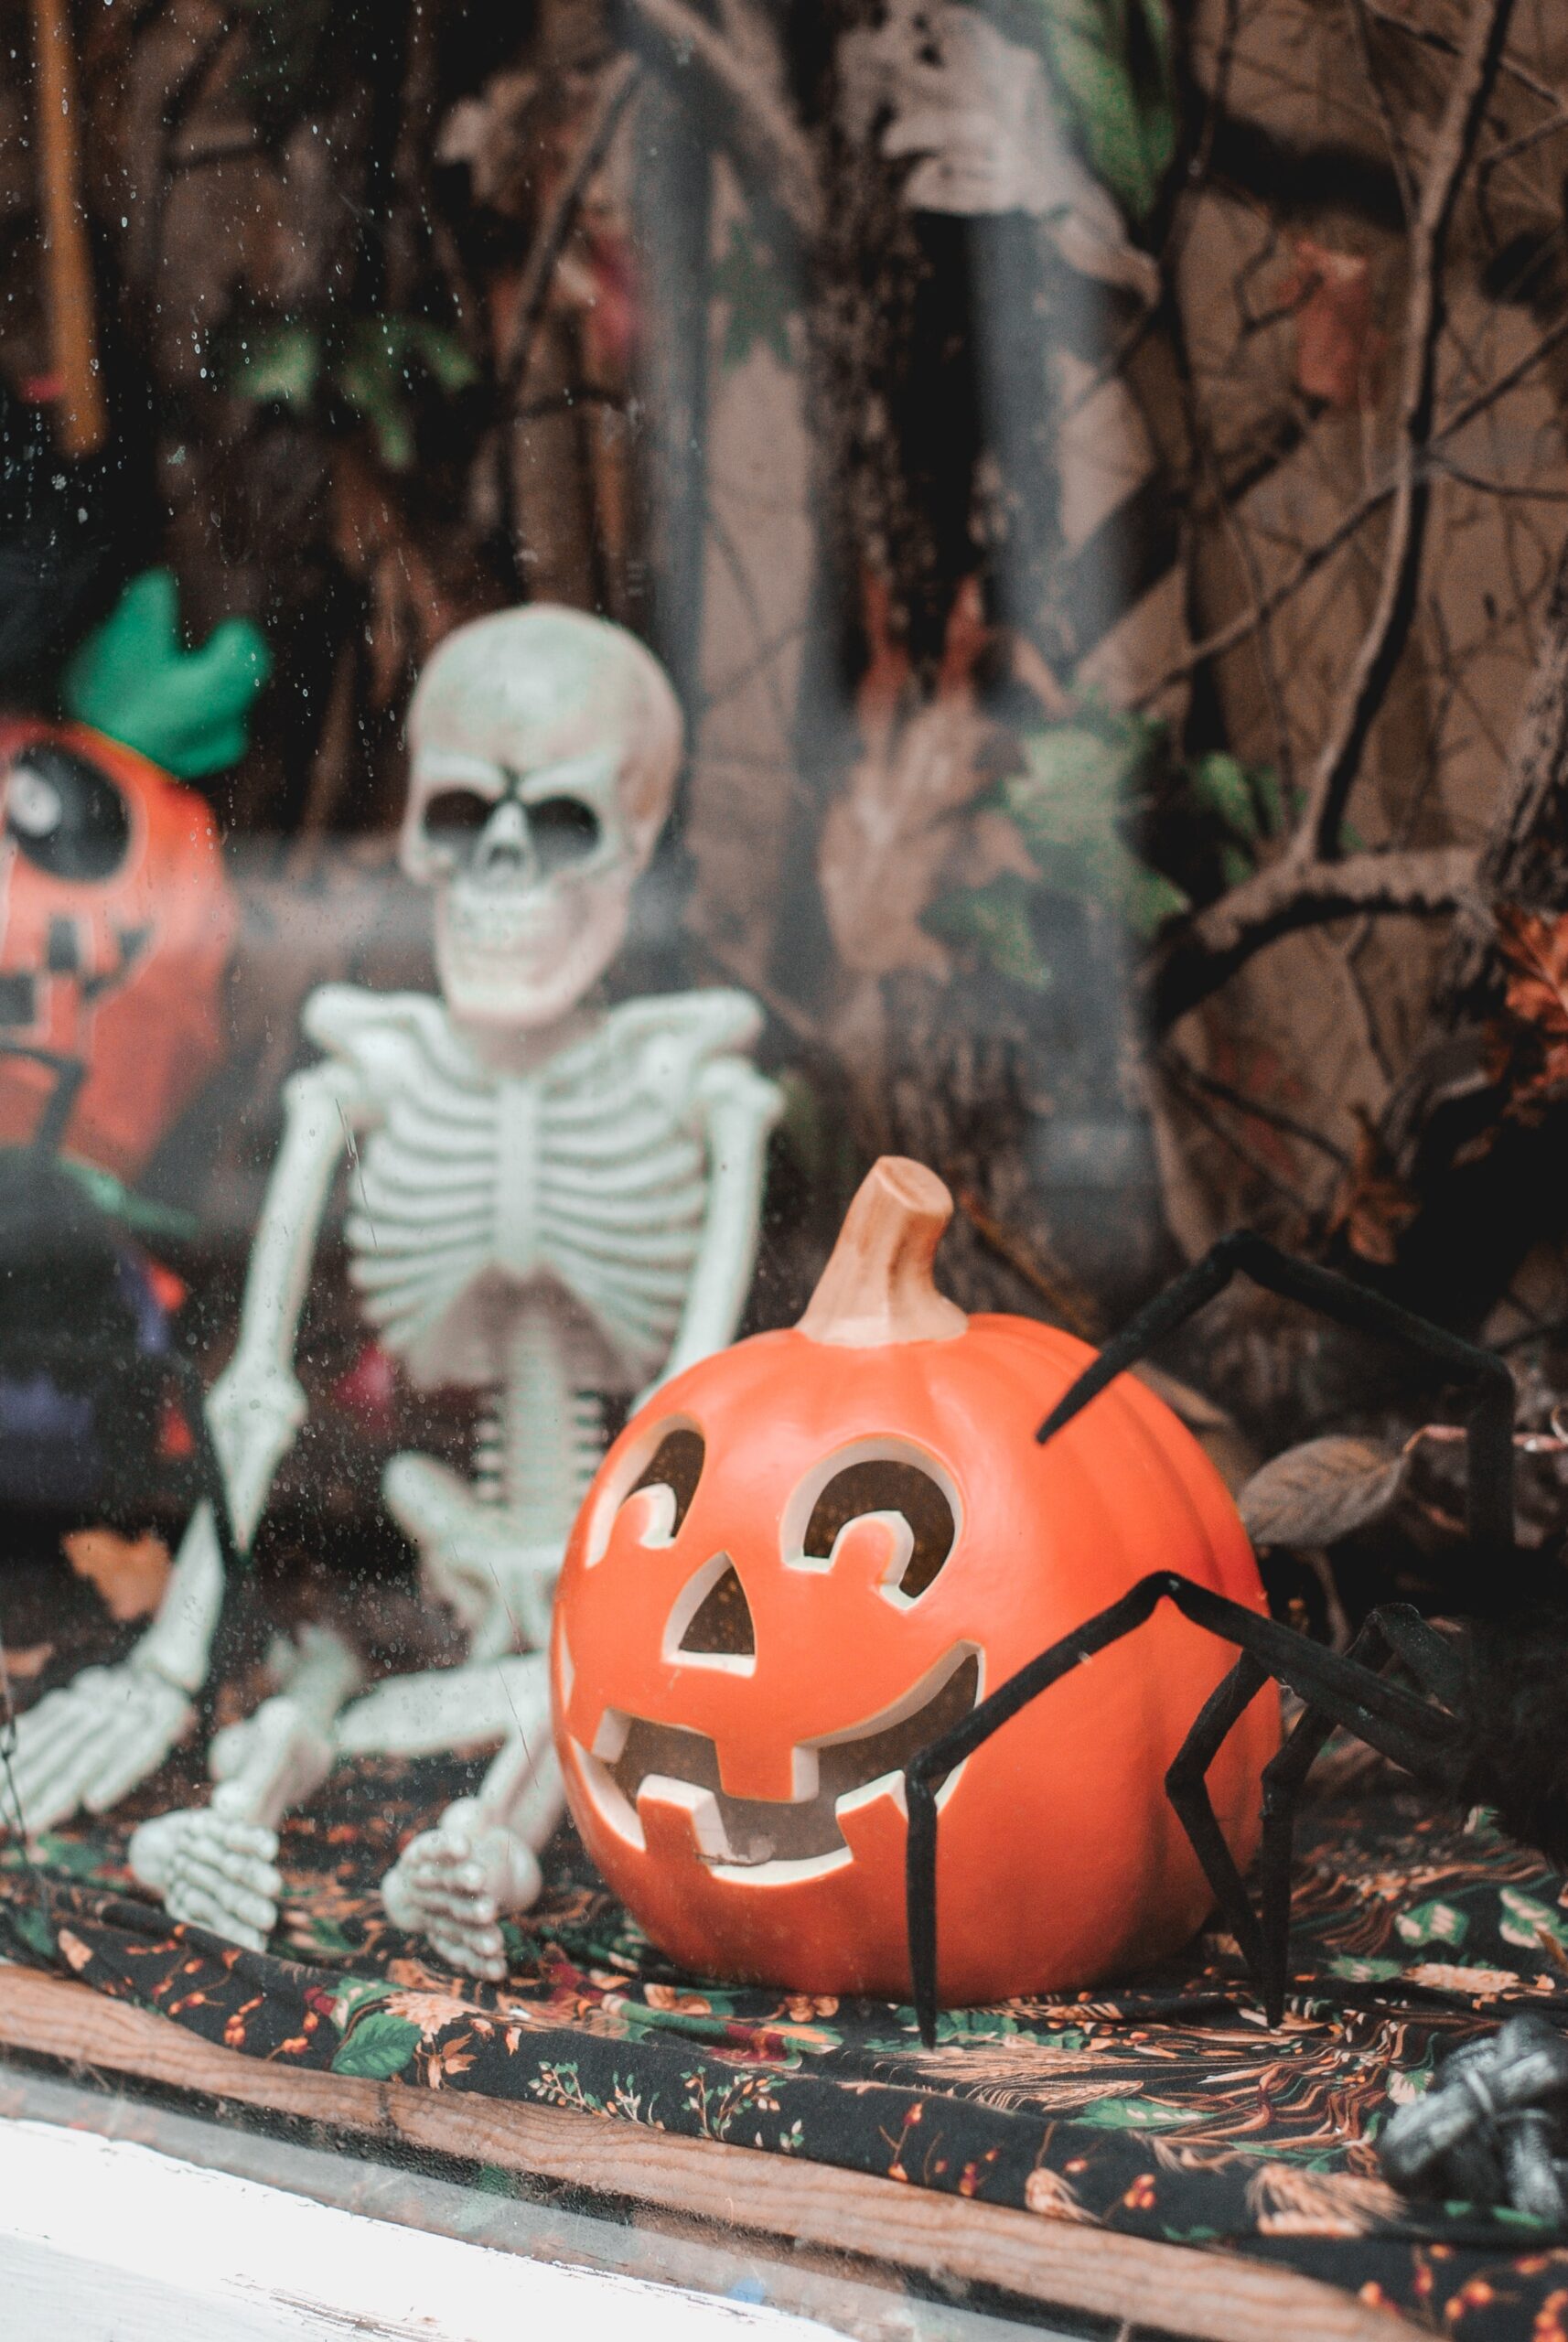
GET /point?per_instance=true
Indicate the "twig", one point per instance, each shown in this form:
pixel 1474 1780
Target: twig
pixel 1236 630
pixel 1178 1076
pixel 1361 33
pixel 1429 38
pixel 768 138
pixel 73 339
pixel 1062 1296
pixel 1289 895
pixel 1474 76
pixel 1288 1124
pixel 615 92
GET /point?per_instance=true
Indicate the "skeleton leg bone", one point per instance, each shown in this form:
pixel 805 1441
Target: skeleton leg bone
pixel 475 1555
pixel 216 1867
pixel 455 1883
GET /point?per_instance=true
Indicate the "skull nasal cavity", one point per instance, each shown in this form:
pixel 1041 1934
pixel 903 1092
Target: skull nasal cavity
pixel 723 1620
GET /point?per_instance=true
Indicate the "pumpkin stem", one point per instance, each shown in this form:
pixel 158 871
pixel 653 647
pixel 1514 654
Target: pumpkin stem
pixel 877 1286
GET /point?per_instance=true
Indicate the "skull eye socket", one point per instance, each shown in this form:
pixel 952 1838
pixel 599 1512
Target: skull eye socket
pixel 65 814
pixel 887 1484
pixel 676 1465
pixel 564 830
pixel 453 818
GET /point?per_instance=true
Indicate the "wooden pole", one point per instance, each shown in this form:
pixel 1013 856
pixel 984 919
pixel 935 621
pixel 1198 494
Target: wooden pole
pixel 83 420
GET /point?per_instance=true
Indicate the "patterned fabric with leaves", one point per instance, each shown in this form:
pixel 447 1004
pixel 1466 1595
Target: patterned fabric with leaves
pixel 1160 2108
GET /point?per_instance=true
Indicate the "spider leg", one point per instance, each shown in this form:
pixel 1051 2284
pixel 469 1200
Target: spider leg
pixel 1394 1632
pixel 1186 1787
pixel 1397 1722
pixel 1489 1450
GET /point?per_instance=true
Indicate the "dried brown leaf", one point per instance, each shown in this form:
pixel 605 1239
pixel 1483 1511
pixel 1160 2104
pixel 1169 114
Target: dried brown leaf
pixel 26 1665
pixel 1317 1493
pixel 130 1573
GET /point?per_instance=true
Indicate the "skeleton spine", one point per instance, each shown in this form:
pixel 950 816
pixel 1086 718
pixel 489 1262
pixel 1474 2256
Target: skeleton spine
pixel 541 1441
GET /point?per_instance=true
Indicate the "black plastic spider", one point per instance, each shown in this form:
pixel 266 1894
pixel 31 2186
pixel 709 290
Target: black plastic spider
pixel 92 1380
pixel 1486 1723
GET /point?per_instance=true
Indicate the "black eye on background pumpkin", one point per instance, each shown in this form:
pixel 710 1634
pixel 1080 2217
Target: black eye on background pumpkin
pixel 65 814
pixel 676 1464
pixel 564 830
pixel 887 1484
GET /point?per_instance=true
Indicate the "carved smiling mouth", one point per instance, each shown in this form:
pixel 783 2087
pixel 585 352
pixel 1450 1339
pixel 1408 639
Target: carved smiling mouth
pixel 743 1832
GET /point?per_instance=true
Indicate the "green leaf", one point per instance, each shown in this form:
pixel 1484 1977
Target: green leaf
pixel 26 1922
pixel 444 354
pixel 358 1992
pixel 995 920
pixel 1436 1922
pixel 1070 804
pixel 1363 1970
pixel 279 364
pixel 1135 2114
pixel 1153 899
pixel 1112 68
pixel 379 2046
pixel 1270 800
pixel 132 680
pixel 373 376
pixel 1220 786
pixel 760 294
pixel 1528 1921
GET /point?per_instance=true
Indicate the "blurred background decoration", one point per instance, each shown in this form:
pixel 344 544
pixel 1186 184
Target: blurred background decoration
pixel 1094 468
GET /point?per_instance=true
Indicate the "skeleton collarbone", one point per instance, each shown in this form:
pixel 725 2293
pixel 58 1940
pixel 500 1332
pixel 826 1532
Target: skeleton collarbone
pixel 581 1186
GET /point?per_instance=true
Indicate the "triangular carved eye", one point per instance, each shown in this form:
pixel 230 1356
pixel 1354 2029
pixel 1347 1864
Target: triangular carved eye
pixel 722 1621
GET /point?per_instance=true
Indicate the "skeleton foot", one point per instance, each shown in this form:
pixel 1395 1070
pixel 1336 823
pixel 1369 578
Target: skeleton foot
pixel 454 1882
pixel 214 1869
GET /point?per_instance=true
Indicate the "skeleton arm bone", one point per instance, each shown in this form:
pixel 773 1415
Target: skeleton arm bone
pixel 739 1108
pixel 91 1742
pixel 256 1405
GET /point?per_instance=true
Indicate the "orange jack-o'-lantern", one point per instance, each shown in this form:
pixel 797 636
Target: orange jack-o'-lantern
pixel 809 1555
pixel 115 925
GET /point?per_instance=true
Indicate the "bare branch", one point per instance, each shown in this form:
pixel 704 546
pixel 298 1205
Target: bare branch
pixel 1307 566
pixel 768 138
pixel 1381 651
pixel 1289 895
pixel 615 92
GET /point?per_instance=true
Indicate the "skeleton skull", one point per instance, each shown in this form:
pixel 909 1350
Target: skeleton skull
pixel 545 748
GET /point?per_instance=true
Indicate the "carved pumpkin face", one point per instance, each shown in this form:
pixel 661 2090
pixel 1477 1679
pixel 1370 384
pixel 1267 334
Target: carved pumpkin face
pixel 116 924
pixel 810 1555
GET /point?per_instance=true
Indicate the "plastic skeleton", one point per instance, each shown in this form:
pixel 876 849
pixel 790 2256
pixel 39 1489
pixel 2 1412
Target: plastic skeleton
pixel 547 1203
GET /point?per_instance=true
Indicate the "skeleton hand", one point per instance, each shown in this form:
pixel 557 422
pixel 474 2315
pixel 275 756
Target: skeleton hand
pixel 212 1869
pixel 254 1409
pixel 453 1883
pixel 92 1741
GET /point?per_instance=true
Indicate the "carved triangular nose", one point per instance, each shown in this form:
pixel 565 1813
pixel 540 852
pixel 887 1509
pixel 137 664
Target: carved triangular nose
pixel 720 1624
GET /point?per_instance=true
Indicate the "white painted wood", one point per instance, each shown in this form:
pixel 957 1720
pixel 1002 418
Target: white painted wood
pixel 104 2241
